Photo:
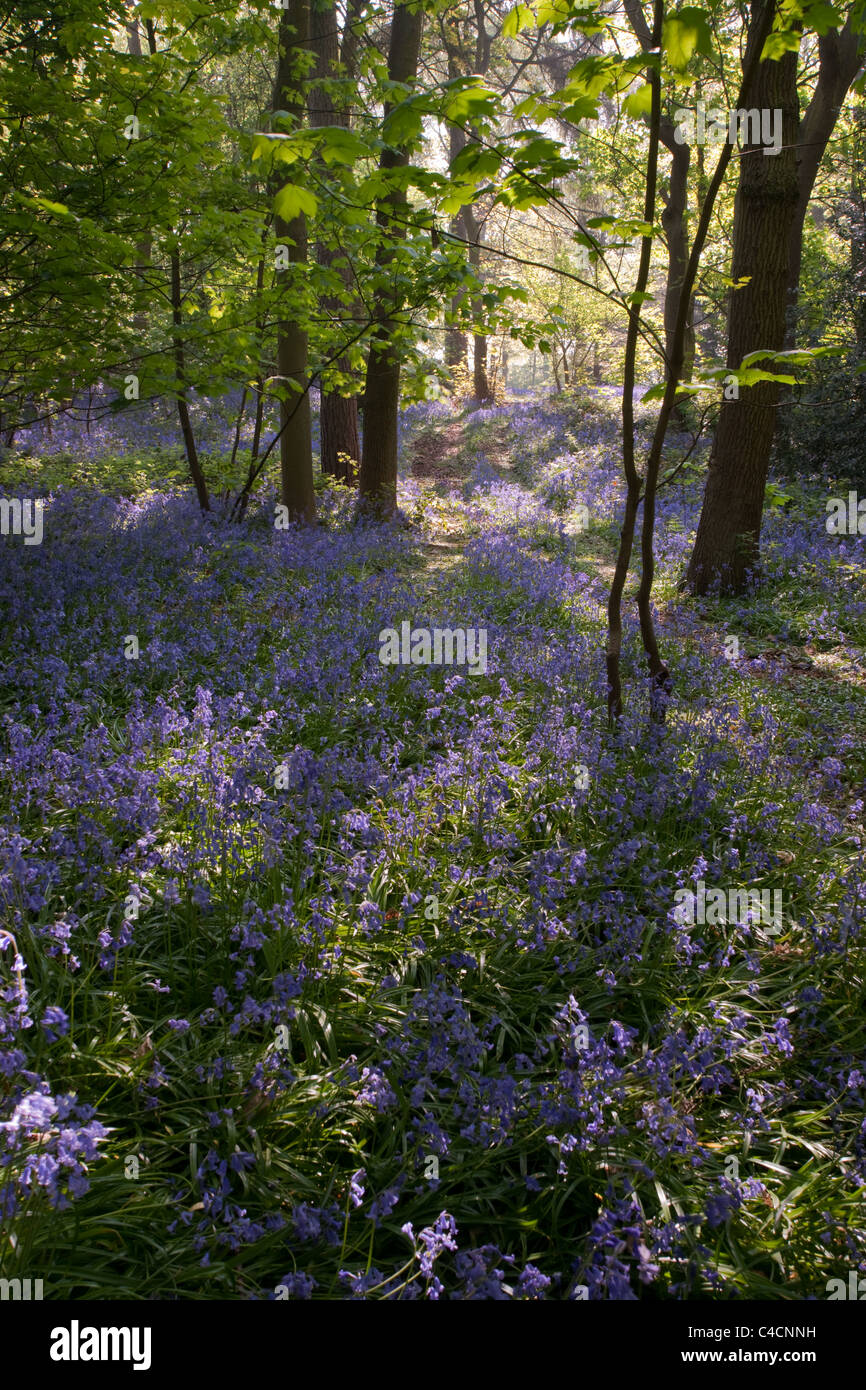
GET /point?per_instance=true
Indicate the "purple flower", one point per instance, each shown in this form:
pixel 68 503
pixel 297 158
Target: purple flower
pixel 55 1023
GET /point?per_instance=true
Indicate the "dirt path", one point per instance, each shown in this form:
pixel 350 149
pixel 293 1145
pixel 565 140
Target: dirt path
pixel 442 457
pixel 438 455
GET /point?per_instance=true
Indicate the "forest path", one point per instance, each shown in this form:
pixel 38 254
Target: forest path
pixel 441 459
pixel 821 686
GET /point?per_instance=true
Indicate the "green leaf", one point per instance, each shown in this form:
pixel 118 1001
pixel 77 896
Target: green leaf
pixel 59 209
pixel 639 103
pixel 521 17
pixel 461 196
pixel 475 160
pixel 655 393
pixel 684 34
pixel 562 14
pixel 262 146
pixel 339 146
pixel 535 107
pixel 468 99
pixel 291 201
pixel 780 43
pixel 403 124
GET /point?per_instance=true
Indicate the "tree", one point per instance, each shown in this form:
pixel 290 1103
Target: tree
pixel 675 198
pixel 297 492
pixel 726 546
pixel 378 477
pixel 338 413
pixel 769 213
pixel 840 57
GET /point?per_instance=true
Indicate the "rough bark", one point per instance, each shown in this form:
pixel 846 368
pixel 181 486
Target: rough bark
pixel 462 60
pixel 480 379
pixel 660 687
pixel 144 247
pixel 192 458
pixel 296 449
pixel 727 543
pixel 675 209
pixel 632 477
pixel 456 350
pixel 378 478
pixel 338 415
pixel 840 57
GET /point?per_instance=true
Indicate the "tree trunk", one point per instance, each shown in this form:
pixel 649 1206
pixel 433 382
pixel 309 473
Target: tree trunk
pixel 378 479
pixel 674 215
pixel 143 248
pixel 296 446
pixel 858 242
pixel 456 348
pixel 727 543
pixel 460 62
pixel 192 458
pixel 338 415
pixel 480 379
pixel 840 57
pixel 340 444
pixel 674 225
pixel 260 377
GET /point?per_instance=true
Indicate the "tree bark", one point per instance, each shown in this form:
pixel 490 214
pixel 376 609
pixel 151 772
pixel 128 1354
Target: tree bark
pixel 466 223
pixel 296 446
pixel 339 446
pixel 378 478
pixel 456 349
pixel 727 543
pixel 480 379
pixel 660 687
pixel 192 458
pixel 674 225
pixel 674 215
pixel 857 199
pixel 144 247
pixel 840 57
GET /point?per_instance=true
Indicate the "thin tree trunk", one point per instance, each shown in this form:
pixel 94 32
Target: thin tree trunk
pixel 674 224
pixel 727 543
pixel 632 477
pixel 143 247
pixel 338 414
pixel 480 380
pixel 456 349
pixel 238 426
pixel 260 327
pixel 674 215
pixel 459 60
pixel 762 20
pixel 192 458
pixel 840 57
pixel 378 479
pixel 296 445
